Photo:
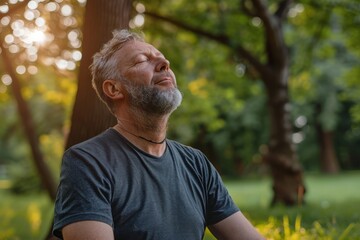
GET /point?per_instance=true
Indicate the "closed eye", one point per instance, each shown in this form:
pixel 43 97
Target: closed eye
pixel 141 59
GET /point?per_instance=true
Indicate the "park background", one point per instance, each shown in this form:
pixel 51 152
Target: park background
pixel 271 95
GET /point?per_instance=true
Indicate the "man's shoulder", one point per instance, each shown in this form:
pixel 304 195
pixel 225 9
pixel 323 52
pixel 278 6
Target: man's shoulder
pixel 98 150
pixel 100 142
pixel 182 147
pixel 186 151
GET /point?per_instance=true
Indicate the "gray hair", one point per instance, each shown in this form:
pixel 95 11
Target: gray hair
pixel 105 62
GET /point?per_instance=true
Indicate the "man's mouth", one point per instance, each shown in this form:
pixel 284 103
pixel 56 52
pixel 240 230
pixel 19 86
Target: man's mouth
pixel 165 80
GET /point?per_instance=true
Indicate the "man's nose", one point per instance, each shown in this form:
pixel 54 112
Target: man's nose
pixel 162 65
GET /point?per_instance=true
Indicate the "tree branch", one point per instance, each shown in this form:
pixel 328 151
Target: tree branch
pixel 245 9
pixel 220 38
pixel 283 9
pixel 270 23
pixel 275 47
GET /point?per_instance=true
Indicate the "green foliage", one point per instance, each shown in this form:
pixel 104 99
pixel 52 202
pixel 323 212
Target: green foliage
pixel 224 107
pixel 50 100
pixel 219 101
pixel 46 69
pixel 25 181
pixel 352 94
pixel 25 217
pixel 321 60
pixel 324 80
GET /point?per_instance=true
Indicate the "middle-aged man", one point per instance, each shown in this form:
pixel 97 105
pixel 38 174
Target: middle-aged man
pixel 131 182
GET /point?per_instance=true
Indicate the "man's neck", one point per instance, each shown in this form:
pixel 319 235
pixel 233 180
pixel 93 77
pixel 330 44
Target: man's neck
pixel 147 133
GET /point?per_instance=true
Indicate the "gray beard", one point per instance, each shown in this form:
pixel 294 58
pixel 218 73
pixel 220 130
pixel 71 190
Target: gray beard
pixel 152 100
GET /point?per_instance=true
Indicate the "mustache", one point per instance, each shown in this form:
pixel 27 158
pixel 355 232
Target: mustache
pixel 164 76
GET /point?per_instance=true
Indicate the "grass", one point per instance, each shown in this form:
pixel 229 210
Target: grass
pixel 24 217
pixel 332 209
pixel 331 212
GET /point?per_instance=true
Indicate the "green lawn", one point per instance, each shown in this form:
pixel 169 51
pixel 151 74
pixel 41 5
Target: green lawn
pixel 24 217
pixel 332 210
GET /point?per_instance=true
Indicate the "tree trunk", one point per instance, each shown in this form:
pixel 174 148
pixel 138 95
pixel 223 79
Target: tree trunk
pixel 90 116
pixel 286 171
pixel 328 160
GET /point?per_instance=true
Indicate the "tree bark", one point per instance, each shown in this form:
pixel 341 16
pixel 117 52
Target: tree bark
pixel 286 171
pixel 90 115
pixel 328 160
pixel 281 157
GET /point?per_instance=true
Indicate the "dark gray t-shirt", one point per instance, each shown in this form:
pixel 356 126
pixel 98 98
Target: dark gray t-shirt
pixel 110 180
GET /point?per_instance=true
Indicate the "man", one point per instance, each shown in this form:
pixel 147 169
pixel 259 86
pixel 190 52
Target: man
pixel 130 182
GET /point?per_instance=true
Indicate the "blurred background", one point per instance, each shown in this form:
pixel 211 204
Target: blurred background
pixel 271 96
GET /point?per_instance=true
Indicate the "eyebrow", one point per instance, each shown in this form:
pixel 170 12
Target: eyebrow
pixel 148 51
pixel 151 51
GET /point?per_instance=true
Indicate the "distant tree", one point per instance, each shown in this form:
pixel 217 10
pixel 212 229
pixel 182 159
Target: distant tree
pixel 25 115
pixel 322 76
pixel 323 55
pixel 37 59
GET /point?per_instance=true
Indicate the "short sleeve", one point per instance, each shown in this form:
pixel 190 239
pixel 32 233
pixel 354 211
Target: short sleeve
pixel 84 192
pixel 219 203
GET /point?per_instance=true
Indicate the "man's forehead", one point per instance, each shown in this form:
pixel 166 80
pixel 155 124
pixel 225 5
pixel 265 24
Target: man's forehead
pixel 137 47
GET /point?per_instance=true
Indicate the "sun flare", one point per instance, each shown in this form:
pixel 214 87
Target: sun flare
pixel 37 36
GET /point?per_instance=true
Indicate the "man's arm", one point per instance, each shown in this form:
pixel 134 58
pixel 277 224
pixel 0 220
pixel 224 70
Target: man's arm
pixel 235 227
pixel 89 230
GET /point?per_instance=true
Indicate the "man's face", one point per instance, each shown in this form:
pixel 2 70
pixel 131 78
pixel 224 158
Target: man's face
pixel 149 81
pixel 141 63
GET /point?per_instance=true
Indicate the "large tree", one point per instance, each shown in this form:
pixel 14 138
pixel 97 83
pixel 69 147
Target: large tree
pixel 90 116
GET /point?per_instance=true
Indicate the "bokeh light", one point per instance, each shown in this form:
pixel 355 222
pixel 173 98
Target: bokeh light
pixel 66 10
pixel 32 70
pixel 36 36
pixel 32 5
pixel 140 8
pixel 21 69
pixel 256 21
pixel 51 6
pixel 5 21
pixel 4 8
pixel 31 37
pixel 6 79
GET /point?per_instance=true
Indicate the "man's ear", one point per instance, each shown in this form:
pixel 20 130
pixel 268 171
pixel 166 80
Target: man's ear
pixel 113 89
